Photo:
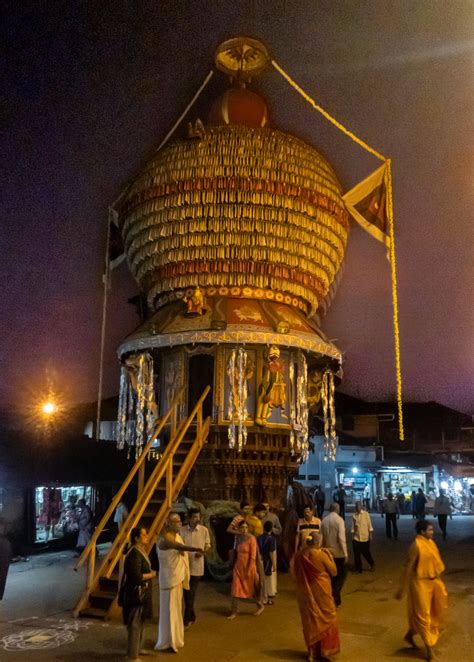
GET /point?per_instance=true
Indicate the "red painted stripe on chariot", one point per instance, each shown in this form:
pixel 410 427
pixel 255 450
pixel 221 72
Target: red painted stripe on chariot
pixel 239 184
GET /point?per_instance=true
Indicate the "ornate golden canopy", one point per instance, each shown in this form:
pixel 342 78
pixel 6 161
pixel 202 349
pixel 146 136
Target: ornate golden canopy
pixel 236 207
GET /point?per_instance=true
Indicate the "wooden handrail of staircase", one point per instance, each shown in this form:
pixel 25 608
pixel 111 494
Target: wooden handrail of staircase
pixel 116 500
pixel 163 468
pixel 165 464
pixel 177 484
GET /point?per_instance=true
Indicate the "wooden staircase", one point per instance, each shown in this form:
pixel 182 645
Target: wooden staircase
pixel 156 495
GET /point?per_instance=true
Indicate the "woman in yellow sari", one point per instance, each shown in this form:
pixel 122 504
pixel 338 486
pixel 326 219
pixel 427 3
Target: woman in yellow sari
pixel 313 570
pixel 426 593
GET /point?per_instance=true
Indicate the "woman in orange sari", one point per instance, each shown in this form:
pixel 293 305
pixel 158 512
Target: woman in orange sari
pixel 427 595
pixel 247 581
pixel 313 570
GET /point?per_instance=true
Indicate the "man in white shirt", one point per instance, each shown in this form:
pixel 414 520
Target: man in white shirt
pixel 367 497
pixel 442 508
pixel 334 539
pixel 194 534
pixel 392 513
pixel 120 515
pixel 173 578
pixel 361 530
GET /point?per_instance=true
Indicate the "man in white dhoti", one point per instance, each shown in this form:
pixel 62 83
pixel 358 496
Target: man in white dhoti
pixel 173 577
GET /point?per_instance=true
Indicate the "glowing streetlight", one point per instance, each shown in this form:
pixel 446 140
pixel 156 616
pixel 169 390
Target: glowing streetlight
pixel 49 408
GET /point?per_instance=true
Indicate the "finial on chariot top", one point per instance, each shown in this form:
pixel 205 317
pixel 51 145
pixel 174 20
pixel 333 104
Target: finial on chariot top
pixel 242 58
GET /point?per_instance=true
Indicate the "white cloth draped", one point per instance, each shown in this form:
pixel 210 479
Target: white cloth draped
pixel 271 584
pixel 173 576
pixel 171 626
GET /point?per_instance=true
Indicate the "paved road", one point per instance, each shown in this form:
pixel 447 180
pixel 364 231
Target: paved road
pixel 36 622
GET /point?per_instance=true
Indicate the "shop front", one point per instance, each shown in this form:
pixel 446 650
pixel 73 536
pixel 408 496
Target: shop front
pixel 404 480
pixel 355 467
pixel 57 511
pixel 457 481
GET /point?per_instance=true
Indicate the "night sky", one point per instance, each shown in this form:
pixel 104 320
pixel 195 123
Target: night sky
pixel 89 90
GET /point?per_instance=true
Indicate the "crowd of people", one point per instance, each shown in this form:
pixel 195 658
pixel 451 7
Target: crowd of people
pixel 318 564
pixel 181 550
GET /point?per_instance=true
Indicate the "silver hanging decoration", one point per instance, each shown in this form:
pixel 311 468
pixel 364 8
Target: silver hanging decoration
pixel 291 371
pixel 130 424
pixel 299 406
pixel 137 411
pixel 141 401
pixel 324 400
pixel 332 414
pixel 329 413
pixel 237 370
pixel 302 443
pixel 231 409
pixel 152 409
pixel 242 399
pixel 122 409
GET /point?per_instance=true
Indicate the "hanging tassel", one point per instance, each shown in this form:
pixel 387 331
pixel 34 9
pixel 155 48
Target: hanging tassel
pixel 293 422
pixel 325 402
pixel 231 409
pixel 332 413
pixel 302 406
pixel 151 407
pixel 140 407
pixel 122 409
pixel 130 424
pixel 242 396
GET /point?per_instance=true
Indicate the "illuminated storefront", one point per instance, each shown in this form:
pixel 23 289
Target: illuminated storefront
pixel 354 467
pixel 57 512
pixel 458 484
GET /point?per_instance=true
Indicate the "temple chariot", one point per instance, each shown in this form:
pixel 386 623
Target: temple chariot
pixel 235 235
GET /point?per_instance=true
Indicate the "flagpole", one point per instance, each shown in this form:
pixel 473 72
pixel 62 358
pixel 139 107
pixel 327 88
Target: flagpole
pixel 106 284
pixel 396 330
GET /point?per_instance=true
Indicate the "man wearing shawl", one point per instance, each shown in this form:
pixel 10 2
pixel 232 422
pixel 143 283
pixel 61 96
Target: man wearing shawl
pixel 427 597
pixel 313 570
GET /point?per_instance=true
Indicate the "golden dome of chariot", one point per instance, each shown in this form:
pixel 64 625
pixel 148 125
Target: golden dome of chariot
pixel 248 209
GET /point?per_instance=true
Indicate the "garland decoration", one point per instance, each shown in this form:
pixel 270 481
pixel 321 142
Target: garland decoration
pixel 237 370
pixel 332 414
pixel 231 410
pixel 291 374
pixel 396 329
pixel 299 405
pixel 122 409
pixel 140 410
pixel 329 414
pixel 137 410
pixel 302 407
pixel 389 203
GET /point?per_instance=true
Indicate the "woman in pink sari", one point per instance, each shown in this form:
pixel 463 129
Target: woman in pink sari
pixel 246 579
pixel 313 570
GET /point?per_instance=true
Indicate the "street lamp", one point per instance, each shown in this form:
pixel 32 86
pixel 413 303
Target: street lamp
pixel 49 408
